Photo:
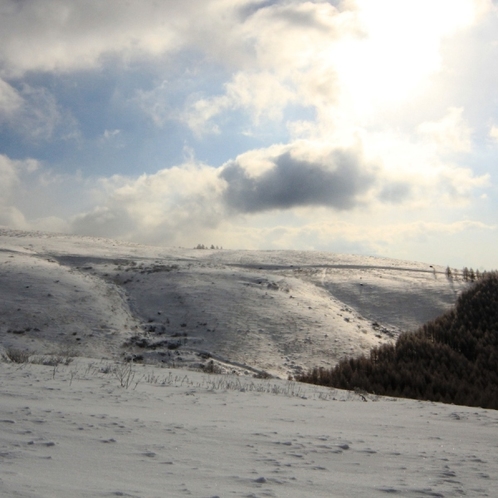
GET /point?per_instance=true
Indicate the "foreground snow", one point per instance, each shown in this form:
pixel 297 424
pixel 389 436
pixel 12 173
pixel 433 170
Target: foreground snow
pixel 74 431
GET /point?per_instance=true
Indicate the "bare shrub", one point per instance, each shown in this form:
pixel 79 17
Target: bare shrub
pixel 211 367
pixel 64 355
pixel 125 373
pixel 263 375
pixel 17 355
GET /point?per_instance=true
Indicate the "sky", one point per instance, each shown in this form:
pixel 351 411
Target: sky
pixel 347 126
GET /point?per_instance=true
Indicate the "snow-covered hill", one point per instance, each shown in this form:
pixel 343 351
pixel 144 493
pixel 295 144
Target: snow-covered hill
pixel 274 311
pixel 91 427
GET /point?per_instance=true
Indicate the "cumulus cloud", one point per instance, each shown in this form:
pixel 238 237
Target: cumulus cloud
pixel 493 133
pixel 68 36
pixel 11 217
pixel 9 178
pixel 338 179
pixel 179 204
pixel 172 205
pixel 11 175
pixel 31 196
pixel 65 36
pixel 450 132
pixel 105 221
pixel 11 172
pixel 427 166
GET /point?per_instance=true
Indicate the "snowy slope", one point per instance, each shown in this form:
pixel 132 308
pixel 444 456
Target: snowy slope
pixel 73 431
pixel 97 428
pixel 277 311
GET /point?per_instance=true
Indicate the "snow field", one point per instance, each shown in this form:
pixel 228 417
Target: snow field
pixel 74 431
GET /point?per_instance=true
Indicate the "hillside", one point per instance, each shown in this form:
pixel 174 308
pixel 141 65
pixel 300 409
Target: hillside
pixel 250 311
pixel 452 359
pixel 89 426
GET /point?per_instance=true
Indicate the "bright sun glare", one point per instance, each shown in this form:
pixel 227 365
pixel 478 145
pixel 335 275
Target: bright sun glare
pixel 399 49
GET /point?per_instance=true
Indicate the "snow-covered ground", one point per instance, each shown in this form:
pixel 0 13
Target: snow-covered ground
pixel 74 431
pixel 277 311
pixel 95 427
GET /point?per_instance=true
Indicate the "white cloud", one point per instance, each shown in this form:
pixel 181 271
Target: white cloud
pixel 110 134
pixel 34 113
pixel 286 60
pixel 191 203
pixel 65 36
pixel 199 114
pixel 11 217
pixel 154 103
pixel 166 207
pixel 425 165
pixel 333 59
pixel 12 173
pixel 451 132
pixel 68 36
pixel 10 100
pixel 304 179
pixel 113 138
pixel 261 94
pixel 458 184
pixel 9 178
pixel 374 81
pixel 300 174
pixel 493 133
pixel 32 197
pixel 40 114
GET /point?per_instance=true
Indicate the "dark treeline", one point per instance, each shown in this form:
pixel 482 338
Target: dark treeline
pixel 453 359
